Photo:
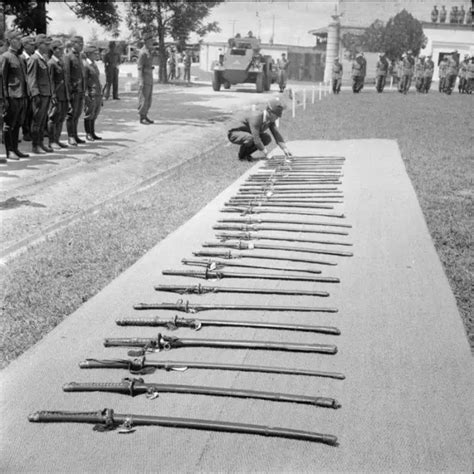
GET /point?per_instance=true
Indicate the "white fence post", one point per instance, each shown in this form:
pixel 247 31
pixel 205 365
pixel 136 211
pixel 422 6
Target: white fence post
pixel 312 94
pixel 391 82
pixel 304 98
pixel 320 90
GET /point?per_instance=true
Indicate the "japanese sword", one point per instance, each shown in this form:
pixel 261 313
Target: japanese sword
pixel 187 307
pixel 208 274
pixel 250 245
pixel 254 236
pixel 143 365
pixel 166 343
pixel 228 254
pixel 262 210
pixel 257 227
pixel 257 220
pixel 201 290
pixel 137 386
pixel 214 265
pixel 292 205
pixel 107 420
pixel 197 324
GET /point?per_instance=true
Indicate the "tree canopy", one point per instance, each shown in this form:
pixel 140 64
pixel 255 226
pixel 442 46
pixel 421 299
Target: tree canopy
pixel 31 17
pixel 401 33
pixel 170 20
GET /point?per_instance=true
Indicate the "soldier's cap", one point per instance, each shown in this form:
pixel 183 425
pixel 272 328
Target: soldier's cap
pixel 28 40
pixel 276 106
pixel 77 38
pixel 42 39
pixel 56 44
pixel 13 34
pixel 90 49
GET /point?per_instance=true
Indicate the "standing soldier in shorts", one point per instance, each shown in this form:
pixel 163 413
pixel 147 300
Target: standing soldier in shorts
pixel 93 92
pixel 336 76
pixel 145 79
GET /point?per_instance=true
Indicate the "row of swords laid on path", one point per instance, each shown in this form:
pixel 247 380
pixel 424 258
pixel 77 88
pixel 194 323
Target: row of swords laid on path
pixel 295 189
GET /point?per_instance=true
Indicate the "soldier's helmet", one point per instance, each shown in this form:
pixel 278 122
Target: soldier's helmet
pixel 276 106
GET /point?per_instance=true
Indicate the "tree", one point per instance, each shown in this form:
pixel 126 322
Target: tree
pixel 403 32
pixel 32 17
pixel 170 20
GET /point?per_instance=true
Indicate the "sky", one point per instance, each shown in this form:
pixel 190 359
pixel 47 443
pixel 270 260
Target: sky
pixel 291 19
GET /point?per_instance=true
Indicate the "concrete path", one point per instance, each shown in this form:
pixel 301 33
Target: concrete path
pixel 405 400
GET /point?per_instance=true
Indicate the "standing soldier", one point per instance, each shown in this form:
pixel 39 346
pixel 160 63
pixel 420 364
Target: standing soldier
pixel 336 74
pixel 93 92
pixel 14 94
pixel 463 66
pixel 461 15
pixel 145 79
pixel 470 76
pixel 434 14
pixel 428 74
pixel 172 65
pixel 381 70
pixel 419 73
pixel 442 14
pixel 28 43
pixel 442 71
pixel 453 15
pixel 2 102
pixel 283 66
pixel 111 63
pixel 39 85
pixel 75 85
pixel 357 71
pixel 187 65
pixel 59 97
pixel 451 72
pixel 407 72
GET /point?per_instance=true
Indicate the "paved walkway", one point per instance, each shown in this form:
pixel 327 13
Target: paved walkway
pixel 405 400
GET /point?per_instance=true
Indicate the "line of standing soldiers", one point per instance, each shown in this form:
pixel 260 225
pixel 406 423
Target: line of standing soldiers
pixel 450 69
pixel 42 86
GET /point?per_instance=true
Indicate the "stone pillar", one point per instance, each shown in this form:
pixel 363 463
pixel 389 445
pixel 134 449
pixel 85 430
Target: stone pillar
pixel 332 48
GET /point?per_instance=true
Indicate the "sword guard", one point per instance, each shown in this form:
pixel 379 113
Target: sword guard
pixel 127 426
pixel 152 394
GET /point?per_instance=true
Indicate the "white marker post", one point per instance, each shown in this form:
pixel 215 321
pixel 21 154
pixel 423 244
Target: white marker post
pixel 313 89
pixel 391 82
pixel 320 90
pixel 304 99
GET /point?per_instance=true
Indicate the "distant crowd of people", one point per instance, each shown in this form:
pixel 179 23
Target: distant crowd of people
pixel 410 70
pixel 456 15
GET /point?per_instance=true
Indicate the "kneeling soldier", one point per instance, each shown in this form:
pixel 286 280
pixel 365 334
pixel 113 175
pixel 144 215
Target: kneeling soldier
pixel 250 132
pixel 59 97
pixel 93 93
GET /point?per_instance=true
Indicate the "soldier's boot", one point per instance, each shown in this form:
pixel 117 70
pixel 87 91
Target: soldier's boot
pixel 87 128
pixel 52 140
pixel 15 153
pixel 7 141
pixel 96 137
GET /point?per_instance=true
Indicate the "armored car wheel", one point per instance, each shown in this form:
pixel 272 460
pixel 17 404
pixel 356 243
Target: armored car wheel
pixel 216 81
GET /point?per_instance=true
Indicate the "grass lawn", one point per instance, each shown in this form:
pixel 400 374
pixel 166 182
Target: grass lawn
pixel 433 131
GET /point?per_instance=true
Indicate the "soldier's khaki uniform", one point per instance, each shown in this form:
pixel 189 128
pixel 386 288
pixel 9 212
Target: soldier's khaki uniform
pixel 336 77
pixel 15 97
pixel 39 84
pixel 442 71
pixel 381 70
pixel 59 100
pixel 451 75
pixel 92 97
pixel 75 83
pixel 427 74
pixel 418 74
pixel 407 74
pixel 145 82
